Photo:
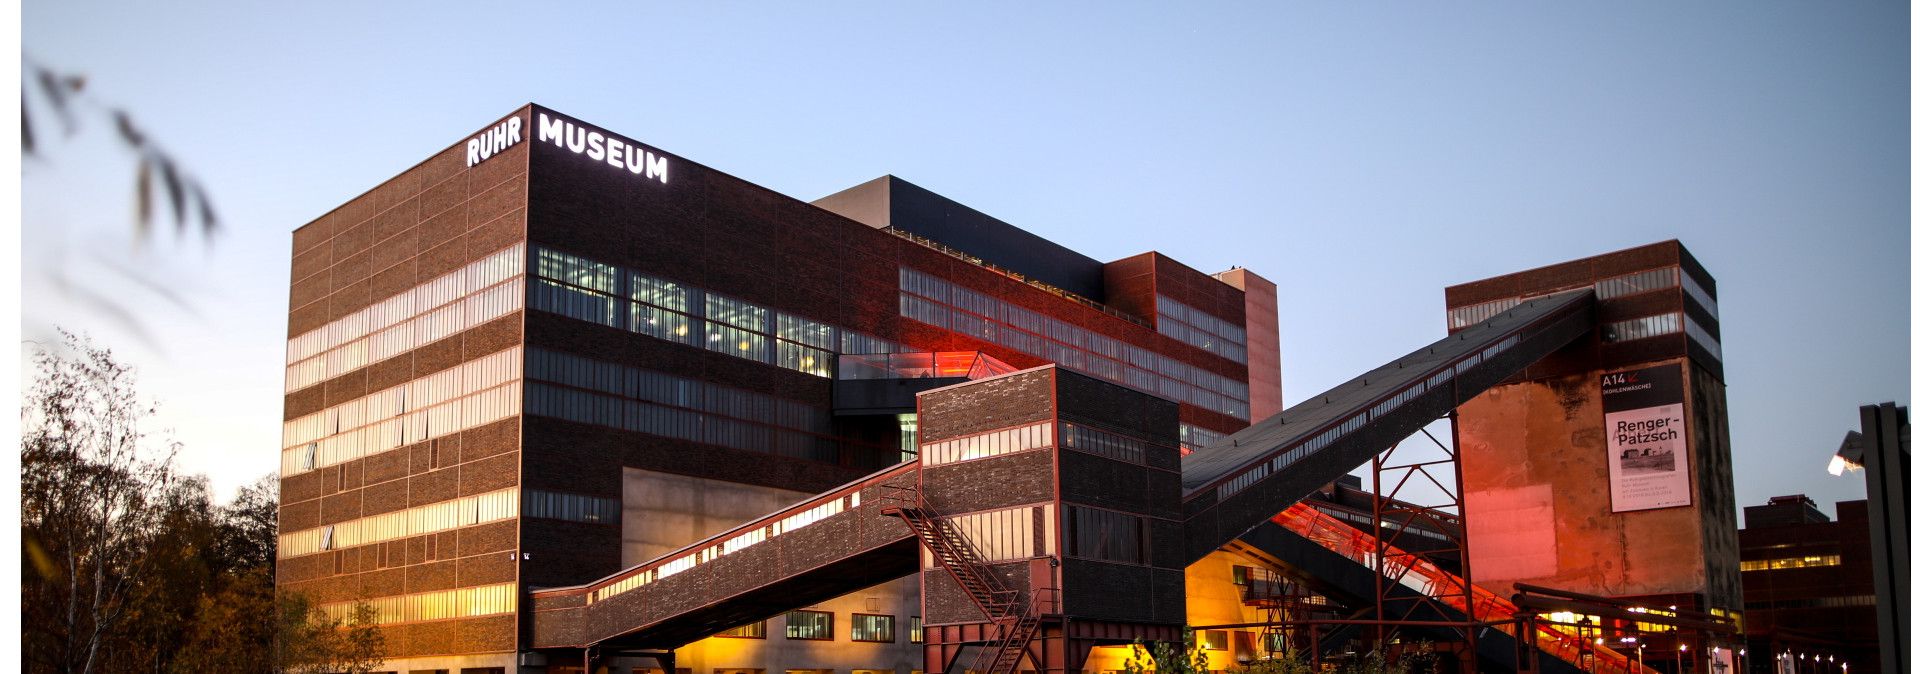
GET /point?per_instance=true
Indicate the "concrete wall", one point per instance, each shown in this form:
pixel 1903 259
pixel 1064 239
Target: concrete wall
pixel 1534 461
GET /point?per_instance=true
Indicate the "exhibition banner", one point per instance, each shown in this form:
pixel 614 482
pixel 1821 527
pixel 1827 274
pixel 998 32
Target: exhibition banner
pixel 1647 459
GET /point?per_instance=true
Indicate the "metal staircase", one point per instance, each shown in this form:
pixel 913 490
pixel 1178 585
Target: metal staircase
pixel 1014 614
pixel 1427 578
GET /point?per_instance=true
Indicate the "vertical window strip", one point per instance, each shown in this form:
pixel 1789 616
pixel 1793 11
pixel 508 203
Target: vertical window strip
pixel 1700 294
pixel 1699 334
pixel 999 535
pixel 1107 535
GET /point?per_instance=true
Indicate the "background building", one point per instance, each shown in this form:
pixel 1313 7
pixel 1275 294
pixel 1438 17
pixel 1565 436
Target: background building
pixel 1809 584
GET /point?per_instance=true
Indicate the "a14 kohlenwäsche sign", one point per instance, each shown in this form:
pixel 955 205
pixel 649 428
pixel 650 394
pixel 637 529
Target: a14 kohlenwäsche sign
pixel 1647 460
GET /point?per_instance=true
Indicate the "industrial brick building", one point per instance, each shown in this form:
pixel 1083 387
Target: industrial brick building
pixel 549 352
pixel 560 401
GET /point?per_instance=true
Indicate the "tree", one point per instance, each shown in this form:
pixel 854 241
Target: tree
pixel 1168 658
pixel 131 567
pixel 88 476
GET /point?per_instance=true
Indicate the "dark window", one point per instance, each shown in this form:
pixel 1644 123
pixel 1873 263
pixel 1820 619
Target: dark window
pixel 867 627
pixel 1106 535
pixel 813 625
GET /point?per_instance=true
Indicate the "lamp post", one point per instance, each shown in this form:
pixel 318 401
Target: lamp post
pixel 1676 658
pixel 1737 656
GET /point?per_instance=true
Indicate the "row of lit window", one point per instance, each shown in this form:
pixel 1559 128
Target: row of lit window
pixel 600 293
pixel 1106 443
pixel 1201 329
pixel 936 302
pixel 1007 534
pixel 1802 562
pixel 754 533
pixel 391 422
pixel 416 317
pixel 556 505
pixel 1313 445
pixel 818 626
pixel 1605 289
pixel 995 443
pixel 464 511
pixel 1093 533
pixel 466 378
pixel 466 602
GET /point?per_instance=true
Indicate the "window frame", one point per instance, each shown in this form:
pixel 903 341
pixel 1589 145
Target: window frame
pixel 789 625
pixel 762 636
pixel 893 628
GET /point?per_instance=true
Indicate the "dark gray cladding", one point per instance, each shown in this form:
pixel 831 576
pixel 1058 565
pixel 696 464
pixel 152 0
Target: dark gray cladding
pixel 891 202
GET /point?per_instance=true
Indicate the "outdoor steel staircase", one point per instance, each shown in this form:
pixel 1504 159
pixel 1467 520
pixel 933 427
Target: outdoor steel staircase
pixel 1015 614
pixel 1429 579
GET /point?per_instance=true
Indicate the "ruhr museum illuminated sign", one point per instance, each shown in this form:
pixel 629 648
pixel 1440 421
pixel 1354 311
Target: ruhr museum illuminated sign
pixel 602 146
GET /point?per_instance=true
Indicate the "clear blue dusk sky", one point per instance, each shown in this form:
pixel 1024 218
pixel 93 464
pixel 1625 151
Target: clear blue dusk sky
pixel 1361 156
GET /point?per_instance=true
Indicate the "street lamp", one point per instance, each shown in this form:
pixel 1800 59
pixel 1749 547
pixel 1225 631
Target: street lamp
pixel 1639 652
pixel 1676 658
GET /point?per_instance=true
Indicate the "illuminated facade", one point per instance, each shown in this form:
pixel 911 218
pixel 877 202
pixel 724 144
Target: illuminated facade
pixel 548 353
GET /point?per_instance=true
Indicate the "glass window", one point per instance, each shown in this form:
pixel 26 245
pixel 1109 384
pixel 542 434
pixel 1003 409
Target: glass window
pixel 665 294
pixel 756 630
pixel 797 329
pixel 915 633
pixel 811 625
pixel 737 313
pixel 868 627
pixel 803 359
pixel 1106 535
pixel 576 271
pixel 737 342
pixel 662 324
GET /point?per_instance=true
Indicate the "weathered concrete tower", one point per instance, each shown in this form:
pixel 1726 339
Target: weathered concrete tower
pixel 1605 468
